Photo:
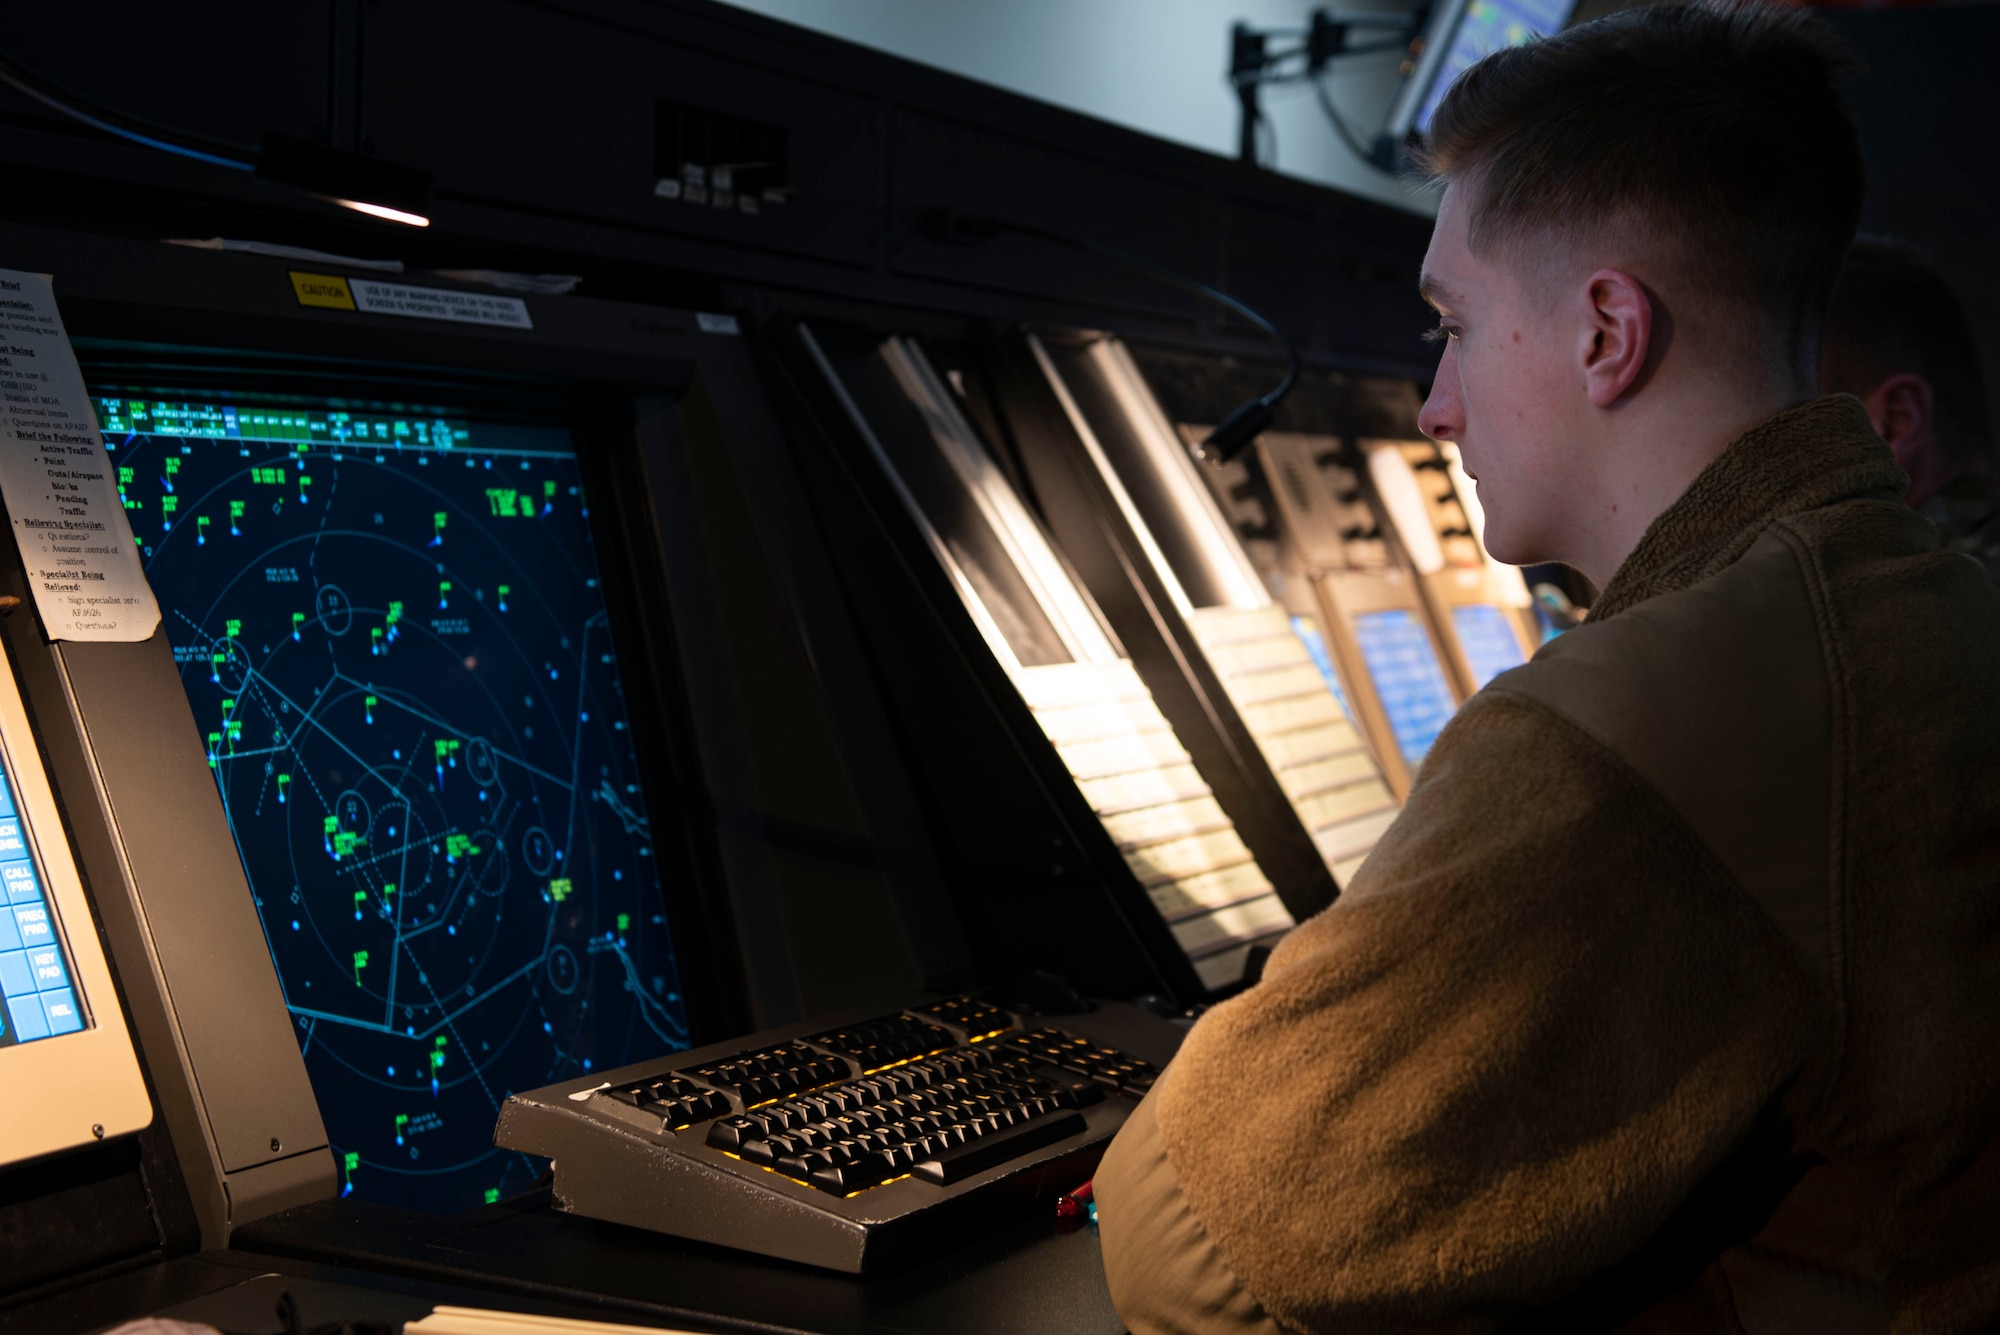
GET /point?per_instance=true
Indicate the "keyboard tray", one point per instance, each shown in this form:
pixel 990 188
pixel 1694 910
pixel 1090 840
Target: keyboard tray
pixel 854 1143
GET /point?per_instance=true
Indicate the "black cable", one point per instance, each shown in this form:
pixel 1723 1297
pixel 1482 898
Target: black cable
pixel 1340 126
pixel 1273 76
pixel 1398 44
pixel 1235 432
pixel 124 127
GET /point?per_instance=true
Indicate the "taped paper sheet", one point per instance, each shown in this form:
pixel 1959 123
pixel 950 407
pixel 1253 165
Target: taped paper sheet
pixel 62 498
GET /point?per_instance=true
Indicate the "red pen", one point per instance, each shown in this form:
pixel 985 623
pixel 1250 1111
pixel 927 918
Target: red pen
pixel 1073 1204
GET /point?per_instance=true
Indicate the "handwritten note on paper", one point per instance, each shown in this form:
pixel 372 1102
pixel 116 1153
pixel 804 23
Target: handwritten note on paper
pixel 56 478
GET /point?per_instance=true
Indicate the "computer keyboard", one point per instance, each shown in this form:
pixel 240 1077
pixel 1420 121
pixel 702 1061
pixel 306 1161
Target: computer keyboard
pixel 856 1144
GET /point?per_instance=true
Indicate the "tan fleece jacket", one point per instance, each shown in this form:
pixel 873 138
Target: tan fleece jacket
pixel 1671 1002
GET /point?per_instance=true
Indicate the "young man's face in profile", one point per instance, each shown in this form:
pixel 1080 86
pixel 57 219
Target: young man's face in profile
pixel 1507 387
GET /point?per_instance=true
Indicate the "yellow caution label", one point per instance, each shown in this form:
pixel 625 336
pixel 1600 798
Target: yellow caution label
pixel 319 289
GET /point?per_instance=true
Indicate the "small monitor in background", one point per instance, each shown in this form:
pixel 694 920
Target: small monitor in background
pixel 1459 35
pixel 391 629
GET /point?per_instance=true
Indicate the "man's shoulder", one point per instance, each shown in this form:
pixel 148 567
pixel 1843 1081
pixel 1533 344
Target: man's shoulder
pixel 1720 697
pixel 1687 662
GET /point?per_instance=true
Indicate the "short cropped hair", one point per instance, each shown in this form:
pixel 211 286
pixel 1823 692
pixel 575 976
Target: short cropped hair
pixel 1716 129
pixel 1892 313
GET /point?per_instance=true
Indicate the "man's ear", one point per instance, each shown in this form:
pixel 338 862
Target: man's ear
pixel 1903 412
pixel 1617 334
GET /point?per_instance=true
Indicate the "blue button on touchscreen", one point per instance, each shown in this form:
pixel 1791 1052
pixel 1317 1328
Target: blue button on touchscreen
pixel 37 999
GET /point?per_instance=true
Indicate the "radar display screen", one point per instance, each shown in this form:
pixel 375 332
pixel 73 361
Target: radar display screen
pixel 392 634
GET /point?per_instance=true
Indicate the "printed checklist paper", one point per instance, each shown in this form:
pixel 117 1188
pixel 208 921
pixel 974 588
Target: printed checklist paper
pixel 62 499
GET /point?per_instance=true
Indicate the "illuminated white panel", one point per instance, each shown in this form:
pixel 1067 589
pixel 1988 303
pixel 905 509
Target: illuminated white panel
pixel 1403 497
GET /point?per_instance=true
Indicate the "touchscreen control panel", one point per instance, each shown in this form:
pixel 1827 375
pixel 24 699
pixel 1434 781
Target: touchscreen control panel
pixel 35 974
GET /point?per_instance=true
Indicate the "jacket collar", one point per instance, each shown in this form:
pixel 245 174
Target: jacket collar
pixel 1804 458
